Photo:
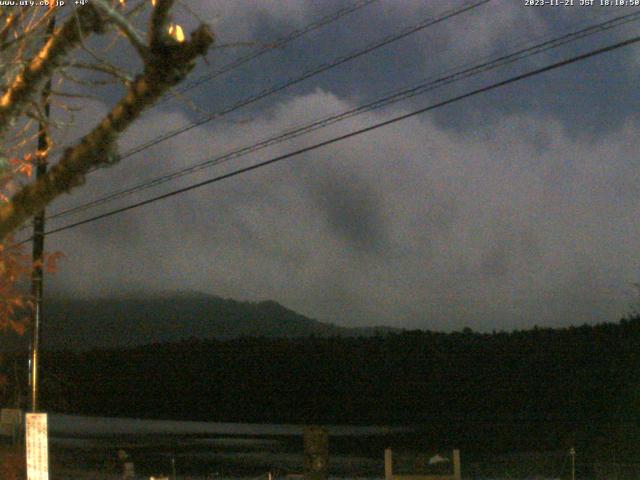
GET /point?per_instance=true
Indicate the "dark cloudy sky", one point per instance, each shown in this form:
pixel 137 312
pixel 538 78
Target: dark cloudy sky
pixel 505 210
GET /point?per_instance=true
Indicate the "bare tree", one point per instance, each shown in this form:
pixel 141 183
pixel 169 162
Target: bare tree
pixel 30 55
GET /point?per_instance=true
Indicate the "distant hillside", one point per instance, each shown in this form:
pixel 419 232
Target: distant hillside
pixel 82 324
pixel 523 391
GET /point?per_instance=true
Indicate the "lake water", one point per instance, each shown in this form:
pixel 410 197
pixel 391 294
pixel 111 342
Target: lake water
pixel 89 446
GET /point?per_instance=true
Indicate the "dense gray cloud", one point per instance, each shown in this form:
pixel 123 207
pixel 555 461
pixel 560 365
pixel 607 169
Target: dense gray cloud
pixel 503 211
pixel 580 96
pixel 351 208
pixel 410 226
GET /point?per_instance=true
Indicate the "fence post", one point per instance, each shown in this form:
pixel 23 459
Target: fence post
pixel 388 464
pixel 128 470
pixel 316 453
pixel 457 471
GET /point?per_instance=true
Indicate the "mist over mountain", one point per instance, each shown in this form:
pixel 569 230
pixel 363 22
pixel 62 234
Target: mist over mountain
pixel 80 324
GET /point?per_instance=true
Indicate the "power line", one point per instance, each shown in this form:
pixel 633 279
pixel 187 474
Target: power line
pixel 279 43
pixel 370 128
pixel 385 100
pixel 310 73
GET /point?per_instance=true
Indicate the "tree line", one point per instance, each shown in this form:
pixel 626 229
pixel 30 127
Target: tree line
pixel 540 389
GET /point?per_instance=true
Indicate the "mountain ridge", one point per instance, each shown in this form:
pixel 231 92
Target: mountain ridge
pixel 132 320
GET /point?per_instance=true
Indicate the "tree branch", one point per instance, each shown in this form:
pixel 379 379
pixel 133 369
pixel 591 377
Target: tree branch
pixel 42 65
pixel 158 32
pixel 168 66
pixel 124 26
pixel 9 22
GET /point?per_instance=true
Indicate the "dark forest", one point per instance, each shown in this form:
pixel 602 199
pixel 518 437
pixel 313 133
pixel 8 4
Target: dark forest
pixel 539 389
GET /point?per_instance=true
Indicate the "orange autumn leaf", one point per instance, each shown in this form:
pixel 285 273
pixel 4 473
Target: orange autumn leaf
pixel 51 261
pixel 18 326
pixel 25 169
pixel 15 265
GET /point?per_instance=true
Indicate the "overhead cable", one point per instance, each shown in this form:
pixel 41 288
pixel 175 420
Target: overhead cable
pixel 352 134
pixel 387 99
pixel 309 73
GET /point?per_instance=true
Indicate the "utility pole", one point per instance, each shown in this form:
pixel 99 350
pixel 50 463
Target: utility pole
pixel 37 274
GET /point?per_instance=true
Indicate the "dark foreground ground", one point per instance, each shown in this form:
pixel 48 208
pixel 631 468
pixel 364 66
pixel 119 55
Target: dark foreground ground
pixel 88 447
pixel 199 457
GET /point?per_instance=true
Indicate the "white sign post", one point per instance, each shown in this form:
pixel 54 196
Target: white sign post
pixel 37 447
